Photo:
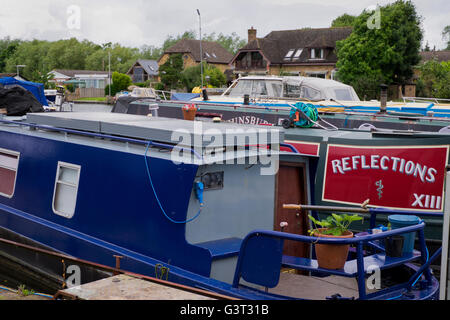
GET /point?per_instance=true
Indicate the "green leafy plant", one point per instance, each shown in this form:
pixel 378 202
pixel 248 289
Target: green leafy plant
pixel 335 224
pixel 22 291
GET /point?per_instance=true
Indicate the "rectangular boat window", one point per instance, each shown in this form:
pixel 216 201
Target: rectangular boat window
pixel 9 162
pixel 66 189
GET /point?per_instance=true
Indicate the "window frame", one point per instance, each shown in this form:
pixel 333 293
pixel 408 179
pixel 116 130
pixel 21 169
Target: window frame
pixel 289 54
pixel 11 153
pixel 57 181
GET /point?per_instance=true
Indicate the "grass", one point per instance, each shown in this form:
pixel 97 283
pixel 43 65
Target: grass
pixel 102 99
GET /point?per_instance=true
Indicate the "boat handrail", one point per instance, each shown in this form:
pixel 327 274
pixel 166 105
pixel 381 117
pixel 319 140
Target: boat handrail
pixel 357 270
pixel 425 99
pixel 372 211
pixel 350 241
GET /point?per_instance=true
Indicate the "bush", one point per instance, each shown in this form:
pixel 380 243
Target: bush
pixel 158 86
pixel 192 76
pixel 434 80
pixel 120 82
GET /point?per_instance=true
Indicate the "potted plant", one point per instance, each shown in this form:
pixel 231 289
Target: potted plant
pixel 332 256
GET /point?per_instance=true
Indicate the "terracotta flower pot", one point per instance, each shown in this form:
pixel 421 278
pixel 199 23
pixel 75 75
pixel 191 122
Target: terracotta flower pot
pixel 331 256
pixel 189 111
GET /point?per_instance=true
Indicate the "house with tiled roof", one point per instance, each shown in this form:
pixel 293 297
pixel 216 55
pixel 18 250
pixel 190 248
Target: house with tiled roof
pixel 439 55
pixel 213 53
pixel 306 52
pixel 143 70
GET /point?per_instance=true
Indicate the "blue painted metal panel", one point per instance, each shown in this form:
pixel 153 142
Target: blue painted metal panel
pixel 260 261
pixel 115 203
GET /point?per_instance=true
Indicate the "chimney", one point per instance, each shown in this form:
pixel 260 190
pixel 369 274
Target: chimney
pixel 251 34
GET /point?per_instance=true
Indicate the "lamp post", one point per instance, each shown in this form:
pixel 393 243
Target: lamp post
pixel 201 51
pixel 109 71
pixel 19 66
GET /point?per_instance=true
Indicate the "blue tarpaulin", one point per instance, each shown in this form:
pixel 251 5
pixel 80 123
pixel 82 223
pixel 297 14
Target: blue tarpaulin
pixel 37 89
pixel 184 96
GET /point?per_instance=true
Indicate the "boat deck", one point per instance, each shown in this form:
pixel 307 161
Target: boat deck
pixel 315 288
pixel 125 287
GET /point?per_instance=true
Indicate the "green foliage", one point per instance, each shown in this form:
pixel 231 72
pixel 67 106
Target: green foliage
pixel 120 82
pixel 335 224
pixel 171 40
pixel 158 86
pixel 345 20
pixel 446 36
pixel 171 72
pixel 7 49
pixel 23 291
pixel 434 80
pixel 192 76
pixel 386 54
pixel 41 57
pixel 232 42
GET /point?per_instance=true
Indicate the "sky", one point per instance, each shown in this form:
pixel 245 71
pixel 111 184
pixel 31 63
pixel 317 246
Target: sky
pixel 137 23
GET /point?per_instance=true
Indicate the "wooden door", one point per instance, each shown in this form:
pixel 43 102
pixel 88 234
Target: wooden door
pixel 291 189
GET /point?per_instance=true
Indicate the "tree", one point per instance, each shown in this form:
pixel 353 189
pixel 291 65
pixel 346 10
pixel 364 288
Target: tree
pixel 386 54
pixel 345 20
pixel 446 36
pixel 434 80
pixel 31 54
pixel 171 40
pixel 150 52
pixel 192 76
pixel 120 82
pixel 232 42
pixel 7 49
pixel 171 72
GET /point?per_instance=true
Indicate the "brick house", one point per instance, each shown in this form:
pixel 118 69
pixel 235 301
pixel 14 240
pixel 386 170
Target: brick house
pixel 305 52
pixel 213 53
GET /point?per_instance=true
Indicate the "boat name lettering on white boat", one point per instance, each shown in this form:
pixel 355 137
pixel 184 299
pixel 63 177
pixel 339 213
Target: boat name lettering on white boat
pixel 394 164
pixel 427 201
pixel 248 120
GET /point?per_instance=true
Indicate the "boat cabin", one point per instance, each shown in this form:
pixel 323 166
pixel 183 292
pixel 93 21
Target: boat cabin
pixel 291 87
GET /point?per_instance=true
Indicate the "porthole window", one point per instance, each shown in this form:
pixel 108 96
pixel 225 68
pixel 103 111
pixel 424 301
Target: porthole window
pixel 66 189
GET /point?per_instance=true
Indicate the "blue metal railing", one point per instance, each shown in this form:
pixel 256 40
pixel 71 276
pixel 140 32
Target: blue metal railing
pixel 358 242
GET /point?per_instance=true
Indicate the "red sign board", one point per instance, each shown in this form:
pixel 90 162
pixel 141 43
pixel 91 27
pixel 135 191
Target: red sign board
pixel 398 177
pixel 309 148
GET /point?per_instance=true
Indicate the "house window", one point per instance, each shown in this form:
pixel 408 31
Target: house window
pixel 138 74
pixel 66 189
pixel 9 162
pixel 289 54
pixel 297 54
pixel 317 53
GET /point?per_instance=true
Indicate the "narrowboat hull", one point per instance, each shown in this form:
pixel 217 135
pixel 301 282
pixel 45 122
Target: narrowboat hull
pixel 131 199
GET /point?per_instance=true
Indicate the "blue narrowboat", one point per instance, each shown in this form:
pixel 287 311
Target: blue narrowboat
pixel 204 200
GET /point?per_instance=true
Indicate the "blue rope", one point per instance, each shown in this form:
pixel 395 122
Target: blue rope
pixel 156 196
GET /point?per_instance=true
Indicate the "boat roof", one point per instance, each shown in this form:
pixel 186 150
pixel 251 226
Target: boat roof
pixel 319 82
pixel 160 129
